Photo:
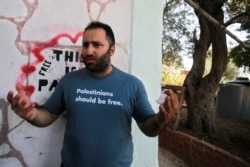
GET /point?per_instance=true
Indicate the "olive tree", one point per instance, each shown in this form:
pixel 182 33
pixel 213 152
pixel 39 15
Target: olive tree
pixel 213 17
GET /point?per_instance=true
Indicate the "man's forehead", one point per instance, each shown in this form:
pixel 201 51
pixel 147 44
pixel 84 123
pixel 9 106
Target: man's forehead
pixel 86 40
pixel 94 34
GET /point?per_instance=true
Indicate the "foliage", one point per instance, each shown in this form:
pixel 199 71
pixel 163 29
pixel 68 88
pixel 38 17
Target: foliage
pixel 230 72
pixel 240 13
pixel 176 34
pixel 241 57
pixel 235 9
pixel 179 30
pixel 172 60
pixel 173 77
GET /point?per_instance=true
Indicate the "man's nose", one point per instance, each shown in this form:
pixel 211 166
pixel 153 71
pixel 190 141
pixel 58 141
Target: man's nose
pixel 89 50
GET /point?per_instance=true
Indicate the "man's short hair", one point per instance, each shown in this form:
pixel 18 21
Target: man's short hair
pixel 108 30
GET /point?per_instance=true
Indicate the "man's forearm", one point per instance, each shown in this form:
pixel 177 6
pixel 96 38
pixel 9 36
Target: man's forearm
pixel 42 117
pixel 151 126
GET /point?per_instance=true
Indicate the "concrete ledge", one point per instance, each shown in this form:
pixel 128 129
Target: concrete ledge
pixel 195 152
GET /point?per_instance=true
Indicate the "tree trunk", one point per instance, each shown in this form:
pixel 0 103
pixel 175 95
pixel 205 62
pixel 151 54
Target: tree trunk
pixel 200 89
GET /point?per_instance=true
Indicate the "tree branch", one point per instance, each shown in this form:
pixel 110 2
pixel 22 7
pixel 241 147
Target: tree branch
pixel 215 22
pixel 236 19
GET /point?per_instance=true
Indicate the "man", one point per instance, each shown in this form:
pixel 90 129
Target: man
pixel 100 101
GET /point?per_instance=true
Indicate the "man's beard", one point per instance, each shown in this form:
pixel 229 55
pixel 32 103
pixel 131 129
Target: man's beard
pixel 101 63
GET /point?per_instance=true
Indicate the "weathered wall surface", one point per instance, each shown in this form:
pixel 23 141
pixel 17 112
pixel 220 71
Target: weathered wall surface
pixel 41 41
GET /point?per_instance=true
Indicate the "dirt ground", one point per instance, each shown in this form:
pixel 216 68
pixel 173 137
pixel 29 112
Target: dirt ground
pixel 232 136
pixel 167 159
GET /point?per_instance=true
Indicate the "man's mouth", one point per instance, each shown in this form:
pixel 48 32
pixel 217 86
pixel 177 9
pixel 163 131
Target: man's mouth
pixel 90 60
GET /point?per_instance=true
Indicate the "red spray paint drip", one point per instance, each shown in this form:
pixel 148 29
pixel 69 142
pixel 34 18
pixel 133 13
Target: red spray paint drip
pixel 27 69
pixel 29 90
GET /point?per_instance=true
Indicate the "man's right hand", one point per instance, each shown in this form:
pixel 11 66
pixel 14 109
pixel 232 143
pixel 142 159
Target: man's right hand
pixel 21 103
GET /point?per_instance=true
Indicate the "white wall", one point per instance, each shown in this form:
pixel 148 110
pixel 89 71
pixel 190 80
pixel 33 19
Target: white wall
pixel 146 64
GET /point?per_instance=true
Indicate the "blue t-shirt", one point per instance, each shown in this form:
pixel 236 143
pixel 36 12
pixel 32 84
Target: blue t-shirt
pixel 99 116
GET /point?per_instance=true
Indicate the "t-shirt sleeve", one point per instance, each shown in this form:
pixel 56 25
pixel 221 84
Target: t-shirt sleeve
pixel 55 104
pixel 143 108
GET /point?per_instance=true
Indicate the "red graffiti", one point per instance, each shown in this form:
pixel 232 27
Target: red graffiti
pixel 29 68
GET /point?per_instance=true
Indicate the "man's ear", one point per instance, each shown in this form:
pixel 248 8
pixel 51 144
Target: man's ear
pixel 112 50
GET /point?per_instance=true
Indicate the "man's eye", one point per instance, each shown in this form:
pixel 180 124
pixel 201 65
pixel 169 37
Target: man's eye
pixel 85 45
pixel 95 44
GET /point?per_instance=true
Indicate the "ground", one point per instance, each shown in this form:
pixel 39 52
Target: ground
pixel 232 136
pixel 167 159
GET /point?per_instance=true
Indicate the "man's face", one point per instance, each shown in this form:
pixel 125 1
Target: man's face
pixel 96 50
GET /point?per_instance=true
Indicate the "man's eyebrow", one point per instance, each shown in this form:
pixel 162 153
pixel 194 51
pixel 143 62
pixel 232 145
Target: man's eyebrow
pixel 93 42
